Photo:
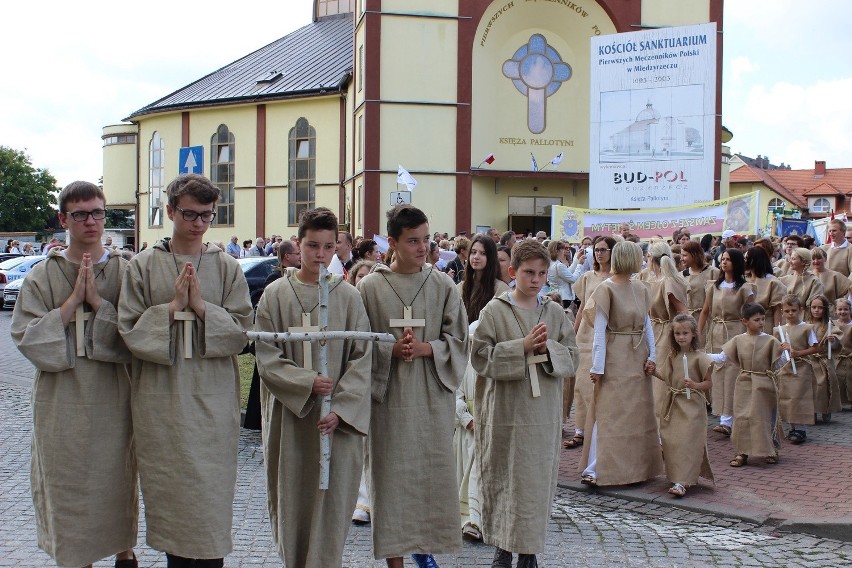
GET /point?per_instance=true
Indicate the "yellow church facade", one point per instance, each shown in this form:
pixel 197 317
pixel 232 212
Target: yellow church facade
pixel 325 116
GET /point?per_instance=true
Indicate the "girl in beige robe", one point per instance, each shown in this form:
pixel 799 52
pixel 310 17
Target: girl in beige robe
pixel 795 397
pixel 583 388
pixel 723 304
pixel 756 398
pixel 826 388
pixel 843 361
pixel 799 281
pixel 768 290
pixel 625 446
pixel 683 417
pixel 834 284
pixel 698 273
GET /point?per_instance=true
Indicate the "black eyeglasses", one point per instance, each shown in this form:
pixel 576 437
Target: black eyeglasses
pixel 601 251
pixel 189 215
pixel 81 216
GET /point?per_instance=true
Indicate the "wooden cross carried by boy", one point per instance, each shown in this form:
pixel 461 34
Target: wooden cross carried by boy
pixel 532 361
pixel 307 334
pixel 81 316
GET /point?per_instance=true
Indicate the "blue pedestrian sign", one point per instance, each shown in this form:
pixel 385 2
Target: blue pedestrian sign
pixel 191 160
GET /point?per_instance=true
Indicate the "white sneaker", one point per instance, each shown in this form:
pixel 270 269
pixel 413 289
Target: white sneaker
pixel 361 516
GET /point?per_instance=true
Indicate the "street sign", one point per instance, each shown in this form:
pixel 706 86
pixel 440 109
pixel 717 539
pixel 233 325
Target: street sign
pixel 191 160
pixel 400 197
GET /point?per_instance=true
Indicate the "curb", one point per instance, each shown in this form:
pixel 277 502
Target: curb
pixel 835 529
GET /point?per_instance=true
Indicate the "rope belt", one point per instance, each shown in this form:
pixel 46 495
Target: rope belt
pixel 640 333
pixel 673 392
pixel 658 320
pixel 774 376
pixel 718 320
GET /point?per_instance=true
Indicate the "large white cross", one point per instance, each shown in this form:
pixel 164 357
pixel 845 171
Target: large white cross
pixel 532 360
pixel 407 319
pixel 81 316
pixel 187 318
pixel 307 354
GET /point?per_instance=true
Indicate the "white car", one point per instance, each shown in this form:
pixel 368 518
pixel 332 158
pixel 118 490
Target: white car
pixel 10 293
pixel 16 268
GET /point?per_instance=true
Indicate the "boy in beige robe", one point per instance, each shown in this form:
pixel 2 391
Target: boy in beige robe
pixel 84 485
pixel 186 412
pixel 415 507
pixel 309 525
pixel 517 410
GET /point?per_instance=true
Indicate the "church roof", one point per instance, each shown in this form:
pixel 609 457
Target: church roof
pixel 311 60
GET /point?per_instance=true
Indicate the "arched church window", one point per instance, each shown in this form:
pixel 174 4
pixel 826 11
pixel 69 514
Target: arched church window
pixel 156 180
pixel 222 173
pixel 776 205
pixel 303 176
pixel 821 205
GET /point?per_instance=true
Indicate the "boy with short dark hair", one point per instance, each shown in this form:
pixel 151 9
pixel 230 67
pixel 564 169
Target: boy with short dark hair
pixel 183 308
pixel 522 351
pixel 83 464
pixel 411 459
pixel 309 525
pixel 755 393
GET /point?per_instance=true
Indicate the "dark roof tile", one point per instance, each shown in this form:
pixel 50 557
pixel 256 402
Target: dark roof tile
pixel 311 59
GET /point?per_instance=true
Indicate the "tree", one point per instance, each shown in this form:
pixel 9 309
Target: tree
pixel 26 200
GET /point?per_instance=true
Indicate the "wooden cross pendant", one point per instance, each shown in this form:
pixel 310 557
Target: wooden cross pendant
pixel 307 354
pixel 80 318
pixel 532 360
pixel 187 318
pixel 407 320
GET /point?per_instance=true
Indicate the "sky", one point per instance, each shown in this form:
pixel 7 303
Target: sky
pixel 72 68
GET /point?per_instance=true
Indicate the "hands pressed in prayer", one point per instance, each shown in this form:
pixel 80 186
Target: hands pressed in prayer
pixel 188 292
pixel 322 386
pixel 408 347
pixel 328 424
pixel 85 290
pixel 536 340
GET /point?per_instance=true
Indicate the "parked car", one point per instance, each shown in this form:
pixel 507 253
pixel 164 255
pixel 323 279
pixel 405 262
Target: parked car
pixel 256 269
pixel 10 293
pixel 16 268
pixel 4 256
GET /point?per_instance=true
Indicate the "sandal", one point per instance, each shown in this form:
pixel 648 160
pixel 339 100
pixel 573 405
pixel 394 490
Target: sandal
pixel 771 460
pixel 588 480
pixel 722 429
pixel 574 442
pixel 677 490
pixel 739 461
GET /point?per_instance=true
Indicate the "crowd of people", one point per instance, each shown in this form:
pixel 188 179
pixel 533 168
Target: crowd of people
pixel 497 339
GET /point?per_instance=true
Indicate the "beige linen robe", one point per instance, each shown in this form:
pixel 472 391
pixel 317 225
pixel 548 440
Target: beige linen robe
pixel 843 362
pixel 83 474
pixel 583 387
pixel 839 259
pixel 795 391
pixel 756 421
pixel 411 461
pixel 662 313
pixel 683 421
pixel 834 285
pixel 628 446
pixel 518 436
pixel 309 526
pixel 697 284
pixel 725 322
pixel 768 292
pixel 806 287
pixel 186 412
pixel 826 388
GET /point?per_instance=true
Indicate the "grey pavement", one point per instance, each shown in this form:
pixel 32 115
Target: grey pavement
pixel 586 529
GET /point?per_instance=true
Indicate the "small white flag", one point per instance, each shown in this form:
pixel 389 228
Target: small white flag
pixel 534 163
pixel 405 178
pixel 558 159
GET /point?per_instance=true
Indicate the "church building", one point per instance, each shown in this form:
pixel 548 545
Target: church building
pixel 325 115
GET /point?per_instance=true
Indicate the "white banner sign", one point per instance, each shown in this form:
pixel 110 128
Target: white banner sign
pixel 653 108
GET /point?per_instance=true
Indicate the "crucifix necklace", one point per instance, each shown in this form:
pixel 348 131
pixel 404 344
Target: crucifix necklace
pixel 407 312
pixel 187 316
pixel 533 358
pixel 307 354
